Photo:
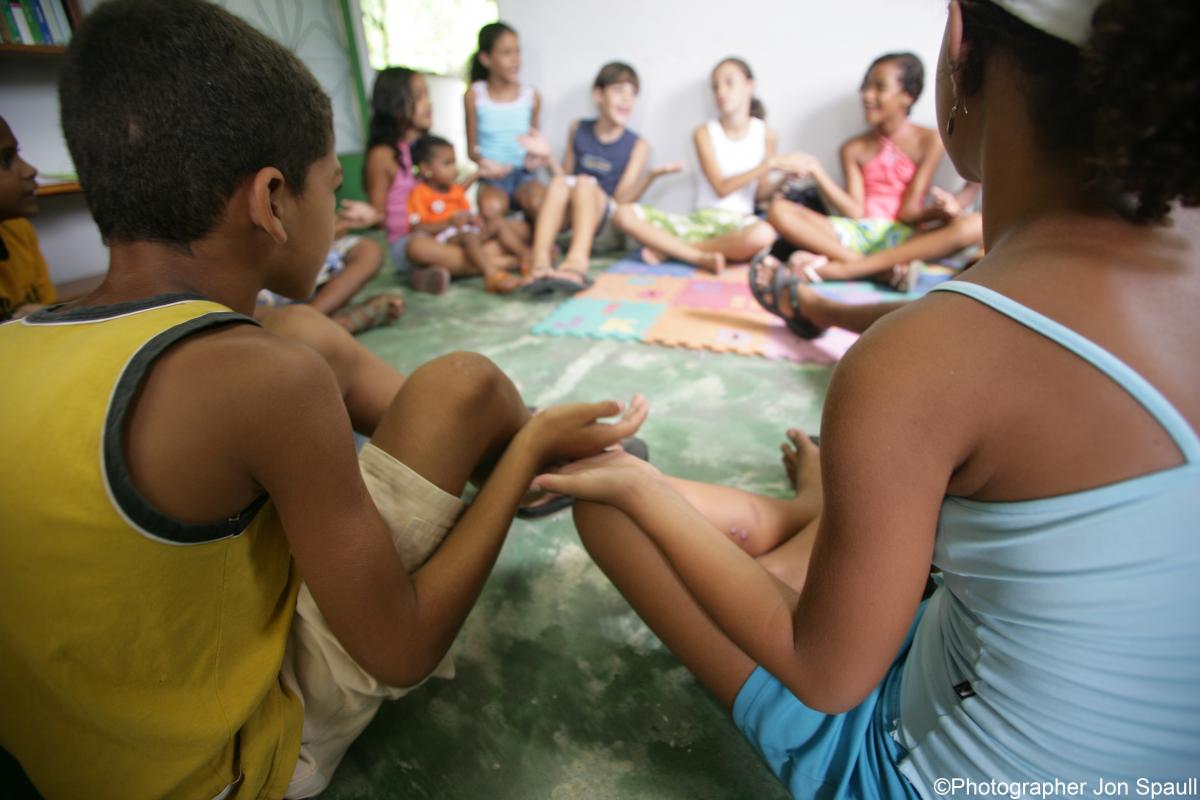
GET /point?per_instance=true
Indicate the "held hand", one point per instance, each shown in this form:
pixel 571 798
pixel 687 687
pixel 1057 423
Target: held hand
pixel 357 214
pixel 573 430
pixel 797 164
pixel 606 478
pixel 666 169
pixel 944 203
pixel 535 143
pixel 493 170
pixel 460 219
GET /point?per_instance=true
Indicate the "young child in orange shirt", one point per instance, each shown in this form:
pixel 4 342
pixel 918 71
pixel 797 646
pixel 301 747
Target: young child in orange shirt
pixel 447 237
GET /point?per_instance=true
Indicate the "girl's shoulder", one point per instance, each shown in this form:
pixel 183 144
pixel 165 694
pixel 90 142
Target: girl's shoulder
pixel 862 146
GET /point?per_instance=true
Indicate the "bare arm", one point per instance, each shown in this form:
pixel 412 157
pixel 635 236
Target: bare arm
pixel 884 485
pixel 202 450
pixel 724 184
pixel 568 162
pixel 768 185
pixel 472 127
pixel 912 207
pixel 380 170
pixel 850 201
pixel 634 179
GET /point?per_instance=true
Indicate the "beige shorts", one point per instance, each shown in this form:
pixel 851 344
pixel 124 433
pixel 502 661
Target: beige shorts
pixel 340 697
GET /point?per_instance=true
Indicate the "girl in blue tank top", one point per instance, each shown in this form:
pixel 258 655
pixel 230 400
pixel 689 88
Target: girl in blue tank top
pixel 500 113
pixel 1029 430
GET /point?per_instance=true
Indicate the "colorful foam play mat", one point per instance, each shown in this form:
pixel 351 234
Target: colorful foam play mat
pixel 678 306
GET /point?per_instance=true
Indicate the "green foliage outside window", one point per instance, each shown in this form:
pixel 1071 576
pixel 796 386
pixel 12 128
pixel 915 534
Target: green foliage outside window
pixel 436 36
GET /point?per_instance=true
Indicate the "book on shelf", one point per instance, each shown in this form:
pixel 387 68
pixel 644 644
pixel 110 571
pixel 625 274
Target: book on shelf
pixel 59 22
pixel 25 9
pixel 14 15
pixel 35 22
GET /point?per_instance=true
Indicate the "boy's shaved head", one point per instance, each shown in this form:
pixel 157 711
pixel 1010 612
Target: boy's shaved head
pixel 169 105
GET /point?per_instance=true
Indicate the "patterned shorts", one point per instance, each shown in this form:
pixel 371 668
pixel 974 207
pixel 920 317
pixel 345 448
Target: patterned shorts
pixel 867 236
pixel 702 224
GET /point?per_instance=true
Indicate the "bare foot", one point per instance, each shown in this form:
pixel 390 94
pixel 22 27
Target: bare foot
pixel 809 267
pixel 499 281
pixel 382 309
pixel 712 262
pixel 570 264
pixel 802 462
pixel 652 257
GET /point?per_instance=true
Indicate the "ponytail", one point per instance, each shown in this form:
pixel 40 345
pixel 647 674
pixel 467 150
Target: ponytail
pixel 488 35
pixel 757 109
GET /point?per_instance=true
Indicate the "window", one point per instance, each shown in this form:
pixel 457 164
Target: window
pixel 436 36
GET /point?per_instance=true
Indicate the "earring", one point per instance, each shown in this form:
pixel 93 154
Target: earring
pixel 954 108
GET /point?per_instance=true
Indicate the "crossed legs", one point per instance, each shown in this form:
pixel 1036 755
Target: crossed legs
pixel 780 536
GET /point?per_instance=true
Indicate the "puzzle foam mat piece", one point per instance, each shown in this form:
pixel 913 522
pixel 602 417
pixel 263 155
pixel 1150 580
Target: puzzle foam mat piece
pixel 601 318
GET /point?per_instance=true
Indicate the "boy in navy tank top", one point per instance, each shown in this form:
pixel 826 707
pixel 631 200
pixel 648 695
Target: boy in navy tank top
pixel 604 164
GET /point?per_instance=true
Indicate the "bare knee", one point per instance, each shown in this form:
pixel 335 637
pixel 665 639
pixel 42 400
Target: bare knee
pixel 304 324
pixel 624 216
pixel 493 203
pixel 778 209
pixel 468 383
pixel 760 235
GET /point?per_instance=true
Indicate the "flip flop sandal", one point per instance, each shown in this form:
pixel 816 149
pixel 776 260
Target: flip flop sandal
pixel 549 285
pixel 372 313
pixel 431 280
pixel 768 297
pixel 633 445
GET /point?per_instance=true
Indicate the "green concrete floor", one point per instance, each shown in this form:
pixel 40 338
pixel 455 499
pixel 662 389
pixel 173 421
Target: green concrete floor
pixel 561 691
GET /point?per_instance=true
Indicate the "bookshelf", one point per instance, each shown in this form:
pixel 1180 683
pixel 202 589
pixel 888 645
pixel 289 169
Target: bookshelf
pixel 37 27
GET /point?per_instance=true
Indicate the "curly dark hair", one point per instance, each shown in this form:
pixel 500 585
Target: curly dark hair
pixel 1122 107
pixel 424 148
pixel 168 107
pixel 912 72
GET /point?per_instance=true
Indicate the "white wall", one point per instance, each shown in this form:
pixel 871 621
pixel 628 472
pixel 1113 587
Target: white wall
pixel 28 101
pixel 808 59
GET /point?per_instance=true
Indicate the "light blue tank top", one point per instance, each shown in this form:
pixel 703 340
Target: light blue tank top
pixel 1064 641
pixel 497 124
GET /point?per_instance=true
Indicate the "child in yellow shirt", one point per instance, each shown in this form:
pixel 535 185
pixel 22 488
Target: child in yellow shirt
pixel 24 278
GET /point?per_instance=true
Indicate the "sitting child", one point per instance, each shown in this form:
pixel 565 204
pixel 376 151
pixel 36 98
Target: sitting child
pixel 888 171
pixel 24 279
pixel 446 238
pixel 737 154
pixel 351 262
pixel 203 590
pixel 604 165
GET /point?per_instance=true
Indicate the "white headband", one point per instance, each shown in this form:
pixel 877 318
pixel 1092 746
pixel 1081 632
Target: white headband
pixel 1069 20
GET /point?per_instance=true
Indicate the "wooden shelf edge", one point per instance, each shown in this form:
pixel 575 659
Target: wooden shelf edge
pixel 34 49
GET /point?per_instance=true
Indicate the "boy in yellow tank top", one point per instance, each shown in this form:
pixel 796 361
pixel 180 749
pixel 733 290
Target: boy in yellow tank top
pixel 203 591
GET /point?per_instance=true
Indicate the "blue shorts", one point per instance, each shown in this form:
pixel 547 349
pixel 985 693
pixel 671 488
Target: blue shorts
pixel 820 755
pixel 515 179
pixel 399 256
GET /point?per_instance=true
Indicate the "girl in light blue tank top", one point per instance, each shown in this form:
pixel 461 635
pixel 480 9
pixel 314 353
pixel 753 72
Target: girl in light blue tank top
pixel 500 112
pixel 1030 434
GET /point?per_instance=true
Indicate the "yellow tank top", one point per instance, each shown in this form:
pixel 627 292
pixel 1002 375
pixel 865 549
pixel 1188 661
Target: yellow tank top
pixel 139 655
